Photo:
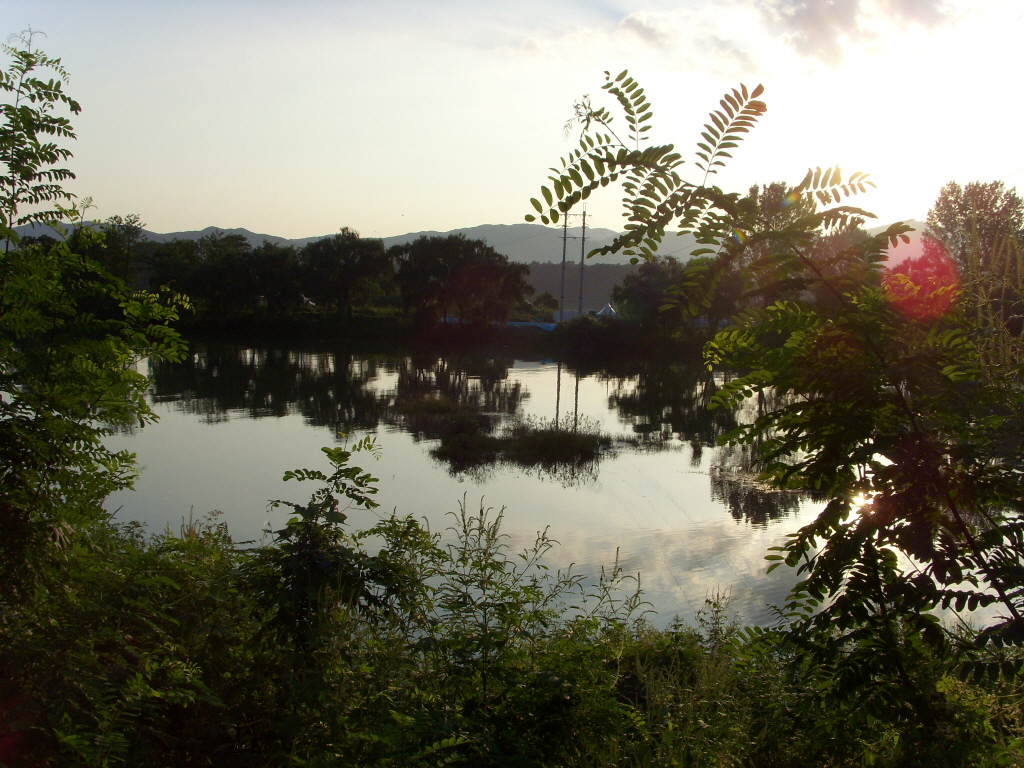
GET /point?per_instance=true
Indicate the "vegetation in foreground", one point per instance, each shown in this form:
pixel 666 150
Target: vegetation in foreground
pixel 896 397
pixel 385 648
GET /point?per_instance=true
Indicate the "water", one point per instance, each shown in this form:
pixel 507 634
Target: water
pixel 678 511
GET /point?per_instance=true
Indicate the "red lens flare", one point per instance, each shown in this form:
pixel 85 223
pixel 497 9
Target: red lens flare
pixel 923 288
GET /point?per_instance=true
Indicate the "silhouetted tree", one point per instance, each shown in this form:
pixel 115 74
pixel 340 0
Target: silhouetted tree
pixel 123 236
pixel 276 276
pixel 337 268
pixel 972 222
pixel 641 294
pixel 439 274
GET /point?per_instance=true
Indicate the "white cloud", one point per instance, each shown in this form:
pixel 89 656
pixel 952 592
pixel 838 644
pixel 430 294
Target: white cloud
pixel 680 40
pixel 818 29
pixel 727 55
pixel 926 13
pixel 651 32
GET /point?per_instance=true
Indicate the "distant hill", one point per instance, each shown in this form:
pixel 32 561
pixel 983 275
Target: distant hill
pixel 522 243
pixel 903 251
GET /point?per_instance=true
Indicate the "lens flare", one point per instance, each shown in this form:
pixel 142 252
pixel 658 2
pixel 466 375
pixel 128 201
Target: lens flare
pixel 790 199
pixel 739 237
pixel 923 288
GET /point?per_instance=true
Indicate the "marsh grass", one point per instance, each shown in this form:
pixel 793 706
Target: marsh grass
pixel 568 451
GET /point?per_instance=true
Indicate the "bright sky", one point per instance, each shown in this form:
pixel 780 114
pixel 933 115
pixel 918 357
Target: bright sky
pixel 297 118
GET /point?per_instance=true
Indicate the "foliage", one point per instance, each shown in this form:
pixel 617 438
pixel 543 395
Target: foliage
pixel 28 154
pixel 157 651
pixel 441 275
pixel 568 449
pixel 430 278
pixel 337 268
pixel 122 236
pixel 640 295
pixel 973 221
pixel 871 393
pixel 70 338
pixel 118 648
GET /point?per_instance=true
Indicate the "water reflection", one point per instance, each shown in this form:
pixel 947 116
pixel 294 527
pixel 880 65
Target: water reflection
pixel 630 464
pixel 328 389
pixel 477 416
pixel 734 483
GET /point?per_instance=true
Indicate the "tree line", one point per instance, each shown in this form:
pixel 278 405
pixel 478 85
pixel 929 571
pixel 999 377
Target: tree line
pixel 431 278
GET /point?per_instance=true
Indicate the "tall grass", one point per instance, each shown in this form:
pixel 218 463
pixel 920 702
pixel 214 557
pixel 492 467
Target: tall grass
pixel 157 651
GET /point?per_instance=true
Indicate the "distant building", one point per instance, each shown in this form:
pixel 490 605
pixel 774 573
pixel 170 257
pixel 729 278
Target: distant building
pixel 570 314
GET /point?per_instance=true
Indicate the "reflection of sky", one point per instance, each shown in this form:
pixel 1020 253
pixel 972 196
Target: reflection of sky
pixel 654 507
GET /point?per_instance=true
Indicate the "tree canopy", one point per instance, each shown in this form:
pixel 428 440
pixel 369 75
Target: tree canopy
pixel 441 275
pixel 338 267
pixel 872 389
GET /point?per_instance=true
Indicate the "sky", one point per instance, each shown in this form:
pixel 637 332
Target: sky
pixel 392 116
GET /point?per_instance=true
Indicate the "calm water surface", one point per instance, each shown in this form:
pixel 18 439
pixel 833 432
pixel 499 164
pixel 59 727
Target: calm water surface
pixel 683 514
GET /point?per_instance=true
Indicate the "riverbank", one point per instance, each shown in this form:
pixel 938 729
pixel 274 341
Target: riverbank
pixel 587 341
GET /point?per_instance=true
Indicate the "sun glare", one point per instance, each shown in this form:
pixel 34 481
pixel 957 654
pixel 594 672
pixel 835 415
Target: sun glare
pixel 859 502
pixel 923 288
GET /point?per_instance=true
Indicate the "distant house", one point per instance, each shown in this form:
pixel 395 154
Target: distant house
pixel 569 314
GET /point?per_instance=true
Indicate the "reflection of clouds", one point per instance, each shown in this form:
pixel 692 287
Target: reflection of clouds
pixel 683 545
pixel 679 569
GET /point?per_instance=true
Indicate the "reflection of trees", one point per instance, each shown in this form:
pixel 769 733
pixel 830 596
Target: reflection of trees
pixel 329 389
pixel 471 409
pixel 734 482
pixel 734 474
pixel 432 396
pixel 662 402
pixel 665 401
pixel 444 398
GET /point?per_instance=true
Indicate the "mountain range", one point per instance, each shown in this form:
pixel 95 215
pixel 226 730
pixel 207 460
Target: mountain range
pixel 522 243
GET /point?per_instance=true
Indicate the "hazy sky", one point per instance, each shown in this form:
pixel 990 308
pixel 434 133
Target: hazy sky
pixel 297 118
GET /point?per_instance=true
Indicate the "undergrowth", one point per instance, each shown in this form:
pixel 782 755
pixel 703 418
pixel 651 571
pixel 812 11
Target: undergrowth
pixel 185 648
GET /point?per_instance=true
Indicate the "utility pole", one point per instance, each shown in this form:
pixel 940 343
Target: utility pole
pixel 558 394
pixel 565 241
pixel 583 253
